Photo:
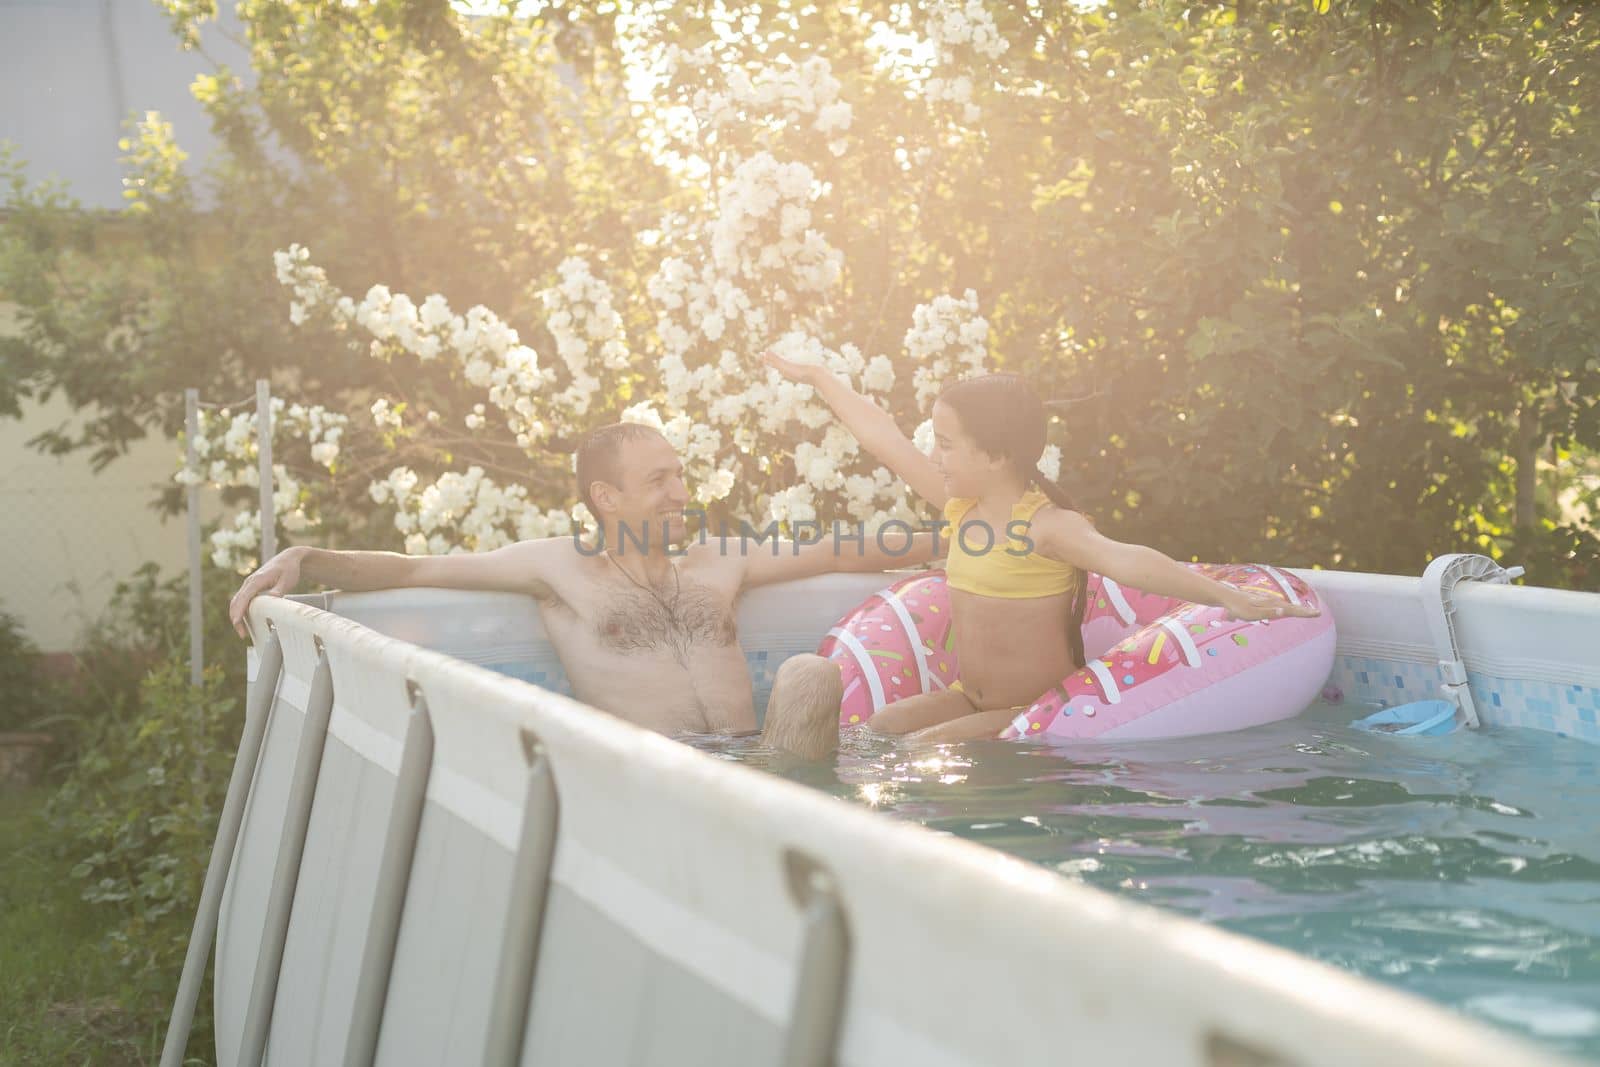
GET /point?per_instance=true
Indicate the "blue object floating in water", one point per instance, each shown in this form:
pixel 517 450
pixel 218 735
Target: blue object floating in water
pixel 1421 718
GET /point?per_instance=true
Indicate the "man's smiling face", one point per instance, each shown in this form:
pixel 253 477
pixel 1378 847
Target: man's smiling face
pixel 652 495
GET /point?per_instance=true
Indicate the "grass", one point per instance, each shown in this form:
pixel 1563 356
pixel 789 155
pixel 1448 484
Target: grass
pixel 61 997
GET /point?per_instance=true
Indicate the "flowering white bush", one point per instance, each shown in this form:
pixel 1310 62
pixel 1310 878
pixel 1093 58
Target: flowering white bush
pixel 227 457
pixel 748 280
pixel 582 318
pixel 964 37
pixel 947 341
pixel 783 93
pixel 751 268
pixel 711 395
pixel 487 352
pixel 385 417
pixel 463 512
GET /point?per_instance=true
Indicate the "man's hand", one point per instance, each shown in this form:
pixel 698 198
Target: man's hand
pixel 276 577
pixel 1248 605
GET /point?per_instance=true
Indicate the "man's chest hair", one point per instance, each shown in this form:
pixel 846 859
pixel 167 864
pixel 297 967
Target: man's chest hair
pixel 627 620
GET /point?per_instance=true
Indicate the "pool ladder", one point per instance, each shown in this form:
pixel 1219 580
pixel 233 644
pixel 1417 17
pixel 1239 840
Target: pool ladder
pixel 1438 603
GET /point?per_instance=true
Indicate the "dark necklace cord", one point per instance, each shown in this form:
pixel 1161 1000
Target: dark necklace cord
pixel 677 583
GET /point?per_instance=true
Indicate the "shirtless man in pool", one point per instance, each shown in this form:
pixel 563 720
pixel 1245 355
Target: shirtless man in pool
pixel 643 633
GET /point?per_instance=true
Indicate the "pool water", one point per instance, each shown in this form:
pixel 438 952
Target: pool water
pixel 1464 868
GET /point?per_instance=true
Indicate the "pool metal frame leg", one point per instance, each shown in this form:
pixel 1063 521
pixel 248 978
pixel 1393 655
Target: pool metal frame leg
pixel 394 876
pixel 286 872
pixel 257 711
pixel 530 887
pixel 819 991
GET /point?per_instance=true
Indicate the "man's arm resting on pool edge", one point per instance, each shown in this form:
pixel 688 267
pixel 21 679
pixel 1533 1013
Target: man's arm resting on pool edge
pixel 517 568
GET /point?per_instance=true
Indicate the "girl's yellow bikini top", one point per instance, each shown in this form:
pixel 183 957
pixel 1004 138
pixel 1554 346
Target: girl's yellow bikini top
pixel 1010 567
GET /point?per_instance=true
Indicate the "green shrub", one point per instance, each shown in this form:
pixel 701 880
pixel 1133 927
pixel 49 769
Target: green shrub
pixel 139 812
pixel 145 624
pixel 145 765
pixel 57 999
pixel 1565 556
pixel 24 696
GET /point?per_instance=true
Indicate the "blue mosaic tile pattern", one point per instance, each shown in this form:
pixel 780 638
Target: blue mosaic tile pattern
pixel 764 666
pixel 1367 680
pixel 545 672
pixel 1567 710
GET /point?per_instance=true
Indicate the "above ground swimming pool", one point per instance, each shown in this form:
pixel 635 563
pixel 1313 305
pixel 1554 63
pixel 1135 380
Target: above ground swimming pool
pixel 422 861
pixel 1464 868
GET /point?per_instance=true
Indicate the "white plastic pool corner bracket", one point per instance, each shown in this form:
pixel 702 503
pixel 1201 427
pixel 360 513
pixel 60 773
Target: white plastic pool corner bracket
pixel 1438 592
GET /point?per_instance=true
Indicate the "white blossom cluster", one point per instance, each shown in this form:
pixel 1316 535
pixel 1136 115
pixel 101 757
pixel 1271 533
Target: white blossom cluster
pixel 225 443
pixel 587 329
pixel 488 352
pixel 865 497
pixel 386 417
pixel 695 308
pixel 763 227
pixel 1050 462
pixel 757 406
pixel 779 93
pixel 463 512
pixel 821 467
pixel 708 329
pixel 581 315
pixel 764 253
pixel 767 268
pixel 226 457
pixel 964 37
pixel 946 342
pixel 235 546
pixel 823 462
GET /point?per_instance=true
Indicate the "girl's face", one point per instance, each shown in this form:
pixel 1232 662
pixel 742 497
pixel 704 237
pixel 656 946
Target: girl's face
pixel 968 470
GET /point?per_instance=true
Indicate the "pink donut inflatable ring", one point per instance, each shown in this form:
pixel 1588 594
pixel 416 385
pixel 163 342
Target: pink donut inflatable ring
pixel 1158 666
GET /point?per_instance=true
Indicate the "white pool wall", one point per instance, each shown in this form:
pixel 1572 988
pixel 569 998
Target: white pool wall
pixel 670 936
pixel 1532 654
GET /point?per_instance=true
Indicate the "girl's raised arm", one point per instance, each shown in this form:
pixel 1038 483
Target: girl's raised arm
pixel 872 426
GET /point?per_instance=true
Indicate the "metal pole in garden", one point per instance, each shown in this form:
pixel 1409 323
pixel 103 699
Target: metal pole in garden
pixel 191 425
pixel 269 532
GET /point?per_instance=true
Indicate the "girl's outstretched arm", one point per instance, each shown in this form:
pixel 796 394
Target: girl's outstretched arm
pixel 874 427
pixel 1068 536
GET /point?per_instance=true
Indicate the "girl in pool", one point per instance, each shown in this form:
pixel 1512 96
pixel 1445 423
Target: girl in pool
pixel 1016 577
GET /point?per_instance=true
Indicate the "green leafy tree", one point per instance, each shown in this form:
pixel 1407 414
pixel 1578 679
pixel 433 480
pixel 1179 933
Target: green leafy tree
pixel 1309 282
